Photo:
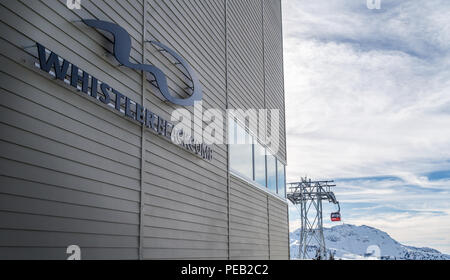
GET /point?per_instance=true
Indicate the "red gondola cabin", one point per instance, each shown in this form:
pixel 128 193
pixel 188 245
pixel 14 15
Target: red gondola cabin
pixel 336 217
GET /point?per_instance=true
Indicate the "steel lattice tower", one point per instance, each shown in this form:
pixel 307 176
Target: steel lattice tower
pixel 307 196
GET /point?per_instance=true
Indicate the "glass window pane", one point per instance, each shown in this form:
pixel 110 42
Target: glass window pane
pixel 232 131
pixel 271 173
pixel 281 179
pixel 241 152
pixel 260 165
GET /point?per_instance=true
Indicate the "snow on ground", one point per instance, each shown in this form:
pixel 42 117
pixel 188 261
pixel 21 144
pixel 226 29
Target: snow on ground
pixel 364 242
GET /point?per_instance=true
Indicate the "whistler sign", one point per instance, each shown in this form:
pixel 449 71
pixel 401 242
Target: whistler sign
pixel 105 94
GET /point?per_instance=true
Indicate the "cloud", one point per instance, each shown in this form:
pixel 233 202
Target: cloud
pixel 368 96
pixel 364 106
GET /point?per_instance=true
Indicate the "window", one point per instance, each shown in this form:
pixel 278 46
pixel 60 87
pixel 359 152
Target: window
pixel 241 151
pixel 271 173
pixel 250 160
pixel 260 164
pixel 281 175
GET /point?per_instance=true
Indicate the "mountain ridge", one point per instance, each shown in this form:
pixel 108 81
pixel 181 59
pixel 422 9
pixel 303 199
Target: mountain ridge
pixel 364 242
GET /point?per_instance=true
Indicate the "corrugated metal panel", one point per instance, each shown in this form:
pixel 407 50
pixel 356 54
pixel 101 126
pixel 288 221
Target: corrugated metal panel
pixel 278 229
pixel 248 222
pixel 69 167
pixel 186 197
pixel 255 81
pixel 245 55
pixel 258 223
pixel 273 66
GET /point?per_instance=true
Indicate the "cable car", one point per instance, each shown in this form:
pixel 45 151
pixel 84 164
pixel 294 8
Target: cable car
pixel 336 216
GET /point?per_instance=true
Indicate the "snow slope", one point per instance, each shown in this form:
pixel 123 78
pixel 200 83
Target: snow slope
pixel 357 242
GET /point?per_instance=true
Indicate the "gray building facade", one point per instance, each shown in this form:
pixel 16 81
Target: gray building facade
pixel 74 171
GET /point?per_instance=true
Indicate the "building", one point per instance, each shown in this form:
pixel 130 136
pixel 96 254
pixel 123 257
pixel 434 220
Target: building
pixel 74 170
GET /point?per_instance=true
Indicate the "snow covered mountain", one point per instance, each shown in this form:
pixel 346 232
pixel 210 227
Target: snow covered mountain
pixel 362 242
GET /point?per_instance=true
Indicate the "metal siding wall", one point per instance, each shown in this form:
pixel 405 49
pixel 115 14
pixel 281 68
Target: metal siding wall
pixel 248 206
pixel 185 196
pixel 255 81
pixel 273 66
pixel 274 86
pixel 70 169
pixel 248 222
pixel 278 229
pixel 245 54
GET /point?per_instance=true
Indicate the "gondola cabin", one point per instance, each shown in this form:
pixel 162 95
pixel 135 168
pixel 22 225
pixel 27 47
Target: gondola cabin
pixel 336 217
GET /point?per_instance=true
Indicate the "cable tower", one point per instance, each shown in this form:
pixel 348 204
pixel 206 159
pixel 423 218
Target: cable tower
pixel 307 197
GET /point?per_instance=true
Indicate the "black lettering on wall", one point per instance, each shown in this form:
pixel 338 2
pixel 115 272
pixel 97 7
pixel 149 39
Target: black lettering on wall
pixel 161 126
pixel 106 98
pixel 169 130
pixel 150 119
pixel 128 111
pixel 140 113
pixel 94 86
pixel 52 61
pixel 75 78
pixel 119 97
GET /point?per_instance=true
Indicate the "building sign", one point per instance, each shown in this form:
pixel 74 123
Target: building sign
pixel 122 50
pixel 101 92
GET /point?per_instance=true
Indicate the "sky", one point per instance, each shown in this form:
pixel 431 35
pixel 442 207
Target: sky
pixel 368 105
